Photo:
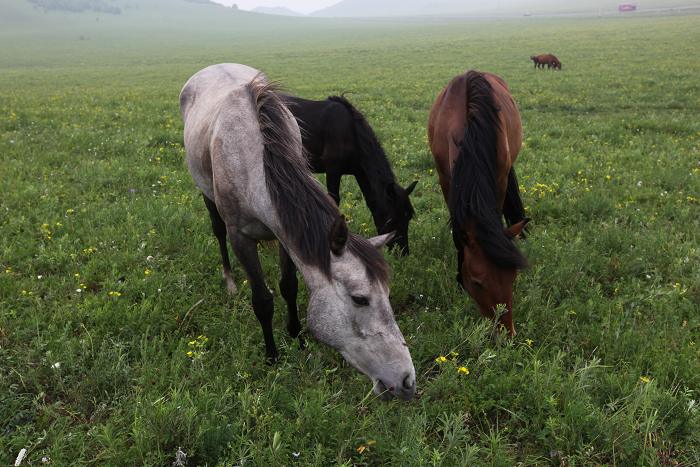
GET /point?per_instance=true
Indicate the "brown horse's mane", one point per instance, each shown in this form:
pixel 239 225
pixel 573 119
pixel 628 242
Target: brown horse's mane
pixel 305 210
pixel 473 182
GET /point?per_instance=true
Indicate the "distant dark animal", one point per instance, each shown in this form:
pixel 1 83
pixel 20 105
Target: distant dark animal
pixel 340 141
pixel 549 60
pixel 245 154
pixel 475 135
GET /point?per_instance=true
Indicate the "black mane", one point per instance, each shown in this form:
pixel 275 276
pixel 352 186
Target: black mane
pixel 473 184
pixel 373 159
pixel 305 211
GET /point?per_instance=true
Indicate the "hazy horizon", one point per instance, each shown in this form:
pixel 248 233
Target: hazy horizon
pixel 300 6
pixel 402 7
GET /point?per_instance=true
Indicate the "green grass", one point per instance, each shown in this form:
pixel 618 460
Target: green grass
pixel 96 197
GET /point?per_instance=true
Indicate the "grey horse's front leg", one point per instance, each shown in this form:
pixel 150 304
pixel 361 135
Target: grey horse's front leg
pixel 246 250
pixel 289 287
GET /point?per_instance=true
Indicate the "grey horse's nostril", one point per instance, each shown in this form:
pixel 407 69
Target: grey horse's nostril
pixel 409 382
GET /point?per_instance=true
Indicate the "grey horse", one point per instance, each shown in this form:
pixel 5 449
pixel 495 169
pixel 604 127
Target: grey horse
pixel 244 152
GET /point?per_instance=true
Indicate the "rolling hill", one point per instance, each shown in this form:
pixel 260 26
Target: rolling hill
pixel 359 8
pixel 95 17
pixel 276 10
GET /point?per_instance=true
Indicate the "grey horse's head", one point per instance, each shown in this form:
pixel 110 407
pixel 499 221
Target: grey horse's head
pixel 350 311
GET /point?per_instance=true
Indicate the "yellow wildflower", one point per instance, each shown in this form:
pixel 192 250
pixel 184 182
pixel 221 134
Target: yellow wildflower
pixel 644 379
pixel 463 370
pixel 529 342
pixel 441 359
pixel 147 272
pixel 115 294
pixel 363 447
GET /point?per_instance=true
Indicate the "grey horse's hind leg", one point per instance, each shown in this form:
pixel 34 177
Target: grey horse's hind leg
pixel 289 287
pixel 246 250
pixel 219 227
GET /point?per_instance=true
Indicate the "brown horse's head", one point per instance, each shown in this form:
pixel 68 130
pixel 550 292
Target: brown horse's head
pixel 489 277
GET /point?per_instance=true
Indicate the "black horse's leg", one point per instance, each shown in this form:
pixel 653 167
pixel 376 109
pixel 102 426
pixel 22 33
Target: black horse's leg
pixel 333 184
pixel 246 250
pixel 219 227
pixel 289 287
pixel 378 203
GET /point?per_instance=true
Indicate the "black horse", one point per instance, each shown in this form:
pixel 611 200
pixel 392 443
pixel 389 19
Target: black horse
pixel 339 141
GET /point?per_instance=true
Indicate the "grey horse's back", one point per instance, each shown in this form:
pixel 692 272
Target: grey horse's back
pixel 204 100
pixel 213 82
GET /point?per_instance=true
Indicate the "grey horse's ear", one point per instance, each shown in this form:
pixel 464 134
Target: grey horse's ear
pixel 380 241
pixel 338 236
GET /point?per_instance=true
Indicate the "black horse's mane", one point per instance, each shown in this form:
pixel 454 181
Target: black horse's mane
pixel 305 210
pixel 373 161
pixel 473 183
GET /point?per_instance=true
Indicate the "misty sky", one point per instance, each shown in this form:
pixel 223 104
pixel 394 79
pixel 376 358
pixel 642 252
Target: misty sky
pixel 302 6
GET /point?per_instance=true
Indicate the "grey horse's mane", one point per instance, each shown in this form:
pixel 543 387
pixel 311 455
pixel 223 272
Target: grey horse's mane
pixel 305 210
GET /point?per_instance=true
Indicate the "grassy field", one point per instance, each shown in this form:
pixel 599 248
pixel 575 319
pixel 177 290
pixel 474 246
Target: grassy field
pixel 119 344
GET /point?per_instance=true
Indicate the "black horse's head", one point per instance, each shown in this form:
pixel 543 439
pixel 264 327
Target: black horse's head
pixel 399 214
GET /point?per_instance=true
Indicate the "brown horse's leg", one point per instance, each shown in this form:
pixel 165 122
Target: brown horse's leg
pixel 507 321
pixel 513 209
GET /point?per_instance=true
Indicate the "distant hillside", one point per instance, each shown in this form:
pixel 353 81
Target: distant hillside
pixel 102 18
pixel 77 6
pixel 360 8
pixel 276 10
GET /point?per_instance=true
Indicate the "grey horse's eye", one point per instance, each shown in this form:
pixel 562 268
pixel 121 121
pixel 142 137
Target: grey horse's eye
pixel 360 301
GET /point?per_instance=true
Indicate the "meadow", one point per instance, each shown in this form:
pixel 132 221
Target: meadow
pixel 119 343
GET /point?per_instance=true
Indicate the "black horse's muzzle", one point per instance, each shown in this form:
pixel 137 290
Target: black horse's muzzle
pixel 401 243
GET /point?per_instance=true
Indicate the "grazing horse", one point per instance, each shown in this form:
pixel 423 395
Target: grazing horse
pixel 338 141
pixel 537 61
pixel 556 64
pixel 245 154
pixel 546 59
pixel 475 135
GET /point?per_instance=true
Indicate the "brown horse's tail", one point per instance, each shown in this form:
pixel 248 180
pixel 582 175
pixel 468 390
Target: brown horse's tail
pixel 473 184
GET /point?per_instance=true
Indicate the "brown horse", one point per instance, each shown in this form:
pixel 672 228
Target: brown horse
pixel 546 59
pixel 475 135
